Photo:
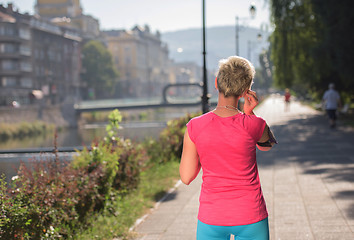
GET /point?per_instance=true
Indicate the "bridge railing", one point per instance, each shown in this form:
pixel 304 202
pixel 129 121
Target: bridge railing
pixel 167 100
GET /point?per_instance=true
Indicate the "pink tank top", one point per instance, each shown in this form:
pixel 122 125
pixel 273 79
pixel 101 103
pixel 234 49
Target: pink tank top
pixel 231 192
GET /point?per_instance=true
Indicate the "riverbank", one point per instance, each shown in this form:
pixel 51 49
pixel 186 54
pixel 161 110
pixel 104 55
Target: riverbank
pixel 33 113
pixel 25 129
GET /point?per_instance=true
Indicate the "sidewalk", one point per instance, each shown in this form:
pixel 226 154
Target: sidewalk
pixel 307 181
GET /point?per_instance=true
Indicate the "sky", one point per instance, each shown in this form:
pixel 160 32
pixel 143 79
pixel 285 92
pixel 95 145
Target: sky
pixel 166 15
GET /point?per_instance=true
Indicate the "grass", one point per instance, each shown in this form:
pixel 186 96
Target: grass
pixel 117 218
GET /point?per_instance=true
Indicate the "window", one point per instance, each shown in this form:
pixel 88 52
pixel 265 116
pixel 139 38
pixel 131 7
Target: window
pixel 26 66
pixel 127 75
pixel 24 33
pixel 37 70
pixel 8 48
pixel 8 65
pixel 8 81
pixel 26 82
pixel 8 30
pixel 128 60
pixel 36 54
pixel 41 54
pixel 25 50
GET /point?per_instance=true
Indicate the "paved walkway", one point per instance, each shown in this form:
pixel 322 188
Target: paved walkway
pixel 307 180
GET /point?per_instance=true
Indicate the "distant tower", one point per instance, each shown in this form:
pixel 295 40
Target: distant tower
pixel 58 8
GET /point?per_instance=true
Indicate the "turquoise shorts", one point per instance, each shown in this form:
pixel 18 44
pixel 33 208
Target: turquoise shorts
pixel 254 231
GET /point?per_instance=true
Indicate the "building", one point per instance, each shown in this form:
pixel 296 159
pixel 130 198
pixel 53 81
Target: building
pixel 56 60
pixel 68 13
pixel 16 80
pixel 38 60
pixel 58 8
pixel 141 59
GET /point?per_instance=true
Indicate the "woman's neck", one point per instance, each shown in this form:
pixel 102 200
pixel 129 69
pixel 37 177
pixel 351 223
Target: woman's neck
pixel 227 106
pixel 224 101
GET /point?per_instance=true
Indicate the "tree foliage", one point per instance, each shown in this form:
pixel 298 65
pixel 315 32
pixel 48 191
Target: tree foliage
pixel 99 72
pixel 311 44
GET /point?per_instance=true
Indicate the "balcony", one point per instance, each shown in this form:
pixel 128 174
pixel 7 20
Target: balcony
pixel 25 51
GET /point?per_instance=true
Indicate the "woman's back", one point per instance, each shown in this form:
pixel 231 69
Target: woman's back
pixel 231 192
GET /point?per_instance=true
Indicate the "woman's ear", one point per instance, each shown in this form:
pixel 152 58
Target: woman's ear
pixel 216 83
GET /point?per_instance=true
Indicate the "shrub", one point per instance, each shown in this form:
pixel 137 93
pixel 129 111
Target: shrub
pixel 48 197
pixel 120 159
pixel 131 160
pixel 100 157
pixel 170 143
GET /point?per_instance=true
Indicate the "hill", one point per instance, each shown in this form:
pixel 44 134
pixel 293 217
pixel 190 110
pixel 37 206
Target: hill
pixel 220 43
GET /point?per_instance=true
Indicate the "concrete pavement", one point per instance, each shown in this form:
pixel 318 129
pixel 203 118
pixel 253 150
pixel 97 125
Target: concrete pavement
pixel 307 181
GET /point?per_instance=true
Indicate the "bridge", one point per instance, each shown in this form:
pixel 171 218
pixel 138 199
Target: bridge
pixel 165 101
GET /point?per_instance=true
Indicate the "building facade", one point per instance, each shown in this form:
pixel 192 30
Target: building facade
pixel 56 60
pixel 38 60
pixel 16 80
pixel 58 8
pixel 141 59
pixel 68 13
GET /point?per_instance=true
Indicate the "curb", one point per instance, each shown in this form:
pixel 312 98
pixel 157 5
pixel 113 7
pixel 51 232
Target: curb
pixel 156 206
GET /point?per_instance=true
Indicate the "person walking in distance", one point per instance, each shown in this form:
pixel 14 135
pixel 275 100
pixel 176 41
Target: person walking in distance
pixel 331 100
pixel 223 144
pixel 287 96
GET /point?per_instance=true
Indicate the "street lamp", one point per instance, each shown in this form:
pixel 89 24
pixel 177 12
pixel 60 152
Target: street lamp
pixel 205 97
pixel 253 14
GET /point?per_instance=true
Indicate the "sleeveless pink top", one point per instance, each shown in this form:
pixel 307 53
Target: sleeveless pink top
pixel 231 192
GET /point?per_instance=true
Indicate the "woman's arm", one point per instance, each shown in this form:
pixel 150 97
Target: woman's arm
pixel 266 142
pixel 190 165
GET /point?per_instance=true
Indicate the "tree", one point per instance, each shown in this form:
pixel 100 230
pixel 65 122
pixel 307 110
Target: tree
pixel 99 72
pixel 311 44
pixel 338 41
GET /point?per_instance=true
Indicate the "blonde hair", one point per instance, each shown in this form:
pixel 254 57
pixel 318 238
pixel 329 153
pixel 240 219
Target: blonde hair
pixel 235 76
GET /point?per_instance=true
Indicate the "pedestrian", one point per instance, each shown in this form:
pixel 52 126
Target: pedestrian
pixel 223 144
pixel 331 101
pixel 287 96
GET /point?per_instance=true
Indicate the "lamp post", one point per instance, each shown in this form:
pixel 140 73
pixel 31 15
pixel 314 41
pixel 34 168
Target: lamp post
pixel 237 29
pixel 205 97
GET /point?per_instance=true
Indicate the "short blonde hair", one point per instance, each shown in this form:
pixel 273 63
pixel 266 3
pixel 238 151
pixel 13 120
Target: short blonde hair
pixel 235 76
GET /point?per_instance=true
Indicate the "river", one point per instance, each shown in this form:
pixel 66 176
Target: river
pixel 76 137
pixel 72 137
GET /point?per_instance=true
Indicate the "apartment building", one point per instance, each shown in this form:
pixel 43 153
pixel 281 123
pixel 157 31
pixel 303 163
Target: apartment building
pixel 68 13
pixel 38 59
pixel 141 59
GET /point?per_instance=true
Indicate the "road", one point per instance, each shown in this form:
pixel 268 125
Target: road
pixel 307 181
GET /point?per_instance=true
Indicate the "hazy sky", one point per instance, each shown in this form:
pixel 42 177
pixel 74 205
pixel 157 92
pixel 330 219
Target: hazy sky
pixel 164 15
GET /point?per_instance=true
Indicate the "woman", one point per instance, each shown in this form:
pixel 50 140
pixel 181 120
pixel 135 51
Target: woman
pixel 223 143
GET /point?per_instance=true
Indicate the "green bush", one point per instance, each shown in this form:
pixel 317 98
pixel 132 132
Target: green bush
pixel 100 157
pixel 47 198
pixel 170 143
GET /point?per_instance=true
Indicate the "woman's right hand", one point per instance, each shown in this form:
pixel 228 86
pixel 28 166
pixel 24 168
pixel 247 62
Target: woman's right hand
pixel 251 101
